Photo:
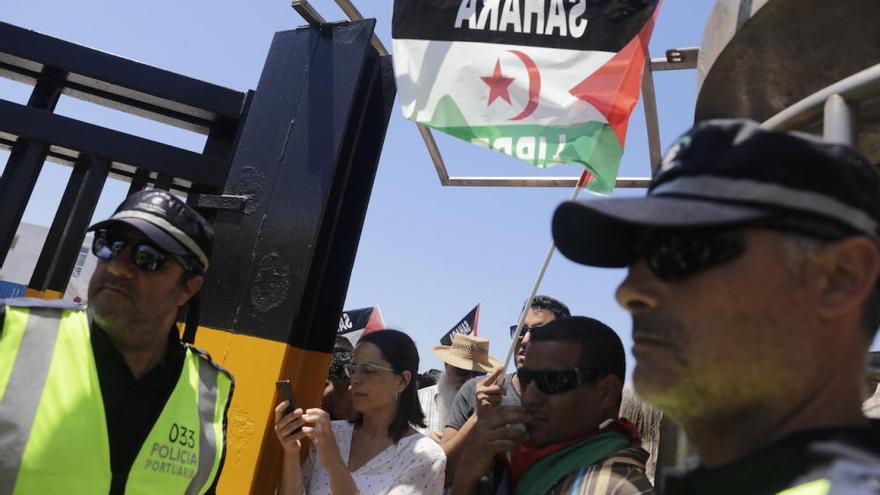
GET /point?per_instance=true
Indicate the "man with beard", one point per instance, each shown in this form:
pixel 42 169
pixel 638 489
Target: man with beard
pixel 108 399
pixel 543 310
pixel 753 268
pixel 574 441
pixel 466 358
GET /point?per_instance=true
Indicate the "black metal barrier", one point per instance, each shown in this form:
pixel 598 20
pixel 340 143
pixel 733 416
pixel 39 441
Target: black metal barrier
pixel 34 133
pixel 285 177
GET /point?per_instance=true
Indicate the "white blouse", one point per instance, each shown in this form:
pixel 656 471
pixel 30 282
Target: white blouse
pixel 415 465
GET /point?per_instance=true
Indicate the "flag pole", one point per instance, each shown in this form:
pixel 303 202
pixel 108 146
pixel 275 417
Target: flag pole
pixel 585 177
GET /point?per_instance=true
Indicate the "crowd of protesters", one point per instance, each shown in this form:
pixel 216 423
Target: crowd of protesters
pixel 752 283
pixel 753 268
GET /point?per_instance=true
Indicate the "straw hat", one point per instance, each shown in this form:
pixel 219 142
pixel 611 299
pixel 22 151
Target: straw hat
pixel 468 353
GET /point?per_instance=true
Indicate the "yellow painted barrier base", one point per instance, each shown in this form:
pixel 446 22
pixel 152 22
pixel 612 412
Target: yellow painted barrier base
pixel 253 454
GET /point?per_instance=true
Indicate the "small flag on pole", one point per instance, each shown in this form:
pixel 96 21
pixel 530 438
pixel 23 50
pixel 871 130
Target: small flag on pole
pixel 545 81
pixel 356 322
pixel 467 325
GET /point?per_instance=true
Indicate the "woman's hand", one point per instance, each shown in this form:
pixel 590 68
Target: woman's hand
pixel 286 428
pixel 320 432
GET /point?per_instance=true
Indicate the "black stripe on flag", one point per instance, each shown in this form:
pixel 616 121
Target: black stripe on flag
pixel 467 326
pixel 594 25
pixel 354 320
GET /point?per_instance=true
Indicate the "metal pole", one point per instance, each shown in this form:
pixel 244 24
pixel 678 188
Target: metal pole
pixel 355 15
pixel 652 121
pixel 522 315
pixel 307 12
pixel 434 151
pixel 838 121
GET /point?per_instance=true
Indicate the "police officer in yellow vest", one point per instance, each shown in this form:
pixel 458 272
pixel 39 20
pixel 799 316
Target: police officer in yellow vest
pixel 107 399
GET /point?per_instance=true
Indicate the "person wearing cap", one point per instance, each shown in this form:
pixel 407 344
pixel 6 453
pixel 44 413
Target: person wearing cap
pixel 106 399
pixel 574 441
pixel 753 267
pixel 542 310
pixel 467 358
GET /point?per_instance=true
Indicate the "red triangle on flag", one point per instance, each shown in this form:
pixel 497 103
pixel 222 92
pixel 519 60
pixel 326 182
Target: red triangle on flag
pixel 376 322
pixel 614 88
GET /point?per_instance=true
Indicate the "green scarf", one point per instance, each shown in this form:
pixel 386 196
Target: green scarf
pixel 548 471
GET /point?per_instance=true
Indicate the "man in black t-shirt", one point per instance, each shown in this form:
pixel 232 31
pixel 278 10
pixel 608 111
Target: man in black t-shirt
pixel 753 268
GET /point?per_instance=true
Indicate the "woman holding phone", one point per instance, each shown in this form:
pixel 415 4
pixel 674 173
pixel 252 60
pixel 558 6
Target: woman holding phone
pixel 379 452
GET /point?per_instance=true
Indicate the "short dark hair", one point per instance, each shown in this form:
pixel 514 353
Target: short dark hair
pixel 547 303
pixel 601 348
pixel 429 378
pixel 399 349
pixel 343 351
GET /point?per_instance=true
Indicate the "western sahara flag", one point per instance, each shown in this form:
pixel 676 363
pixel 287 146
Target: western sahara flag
pixel 545 81
pixel 467 325
pixel 356 322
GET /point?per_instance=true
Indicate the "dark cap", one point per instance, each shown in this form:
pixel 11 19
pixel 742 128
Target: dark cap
pixel 166 220
pixel 728 172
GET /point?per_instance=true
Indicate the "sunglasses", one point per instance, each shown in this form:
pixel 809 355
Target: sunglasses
pixel 525 329
pixel 557 381
pixel 107 245
pixel 365 369
pixel 677 254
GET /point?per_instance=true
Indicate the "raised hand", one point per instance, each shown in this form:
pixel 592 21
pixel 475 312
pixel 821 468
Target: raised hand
pixel 490 391
pixel 494 432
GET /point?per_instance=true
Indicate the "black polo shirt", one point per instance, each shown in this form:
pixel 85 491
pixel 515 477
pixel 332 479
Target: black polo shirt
pixel 849 457
pixel 132 406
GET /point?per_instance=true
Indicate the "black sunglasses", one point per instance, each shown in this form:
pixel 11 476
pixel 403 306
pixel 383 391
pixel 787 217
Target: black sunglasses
pixel 525 329
pixel 107 245
pixel 677 254
pixel 674 255
pixel 557 381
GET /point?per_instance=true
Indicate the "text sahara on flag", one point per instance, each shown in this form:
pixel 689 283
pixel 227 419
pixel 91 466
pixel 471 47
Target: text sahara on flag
pixel 545 81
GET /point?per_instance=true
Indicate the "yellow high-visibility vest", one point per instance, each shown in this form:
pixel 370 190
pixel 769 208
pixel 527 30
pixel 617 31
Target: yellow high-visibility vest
pixel 817 487
pixel 53 427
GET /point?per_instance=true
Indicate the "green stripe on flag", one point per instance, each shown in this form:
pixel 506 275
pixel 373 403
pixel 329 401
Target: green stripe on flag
pixel 592 144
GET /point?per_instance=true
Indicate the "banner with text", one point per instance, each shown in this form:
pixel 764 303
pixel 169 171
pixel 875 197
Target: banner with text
pixel 545 81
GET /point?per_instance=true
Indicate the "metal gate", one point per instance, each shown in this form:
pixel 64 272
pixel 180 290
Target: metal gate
pixel 285 177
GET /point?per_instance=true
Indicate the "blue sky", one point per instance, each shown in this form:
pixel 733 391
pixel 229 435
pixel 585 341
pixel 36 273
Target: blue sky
pixel 428 253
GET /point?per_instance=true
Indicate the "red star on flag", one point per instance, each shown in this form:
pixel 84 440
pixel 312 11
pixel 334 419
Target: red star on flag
pixel 497 84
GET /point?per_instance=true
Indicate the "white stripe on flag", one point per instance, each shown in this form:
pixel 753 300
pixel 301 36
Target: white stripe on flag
pixel 429 70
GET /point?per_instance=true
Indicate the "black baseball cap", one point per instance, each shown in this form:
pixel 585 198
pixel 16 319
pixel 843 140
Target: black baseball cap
pixel 167 221
pixel 728 172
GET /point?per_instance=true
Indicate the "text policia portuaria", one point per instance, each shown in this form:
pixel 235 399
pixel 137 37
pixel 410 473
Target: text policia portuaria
pixel 172 459
pixel 548 17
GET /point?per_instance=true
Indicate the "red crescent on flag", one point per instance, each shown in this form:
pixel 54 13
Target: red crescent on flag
pixel 534 85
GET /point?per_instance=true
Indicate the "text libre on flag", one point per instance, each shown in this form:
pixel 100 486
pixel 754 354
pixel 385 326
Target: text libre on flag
pixel 545 81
